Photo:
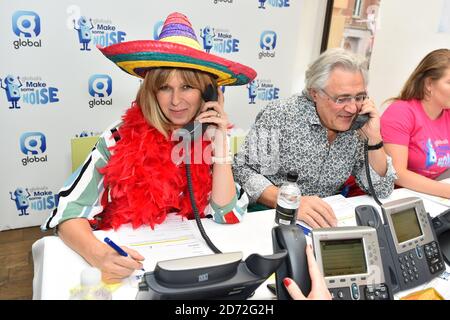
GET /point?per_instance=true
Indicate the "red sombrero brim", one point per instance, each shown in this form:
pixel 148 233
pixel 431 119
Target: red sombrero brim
pixel 137 57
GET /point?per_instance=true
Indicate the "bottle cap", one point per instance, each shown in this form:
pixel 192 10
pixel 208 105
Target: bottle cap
pixel 90 277
pixel 292 176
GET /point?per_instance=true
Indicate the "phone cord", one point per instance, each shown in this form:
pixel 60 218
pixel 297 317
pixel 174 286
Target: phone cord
pixel 369 178
pixel 196 213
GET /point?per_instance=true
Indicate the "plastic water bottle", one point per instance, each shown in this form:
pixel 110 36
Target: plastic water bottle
pixel 288 200
pixel 91 286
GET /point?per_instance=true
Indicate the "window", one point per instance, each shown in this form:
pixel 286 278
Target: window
pixel 357 8
pixel 352 25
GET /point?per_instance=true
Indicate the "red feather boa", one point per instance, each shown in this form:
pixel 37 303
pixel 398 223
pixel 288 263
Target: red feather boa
pixel 145 184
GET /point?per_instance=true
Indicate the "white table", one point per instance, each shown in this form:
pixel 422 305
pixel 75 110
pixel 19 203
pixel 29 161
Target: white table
pixel 57 268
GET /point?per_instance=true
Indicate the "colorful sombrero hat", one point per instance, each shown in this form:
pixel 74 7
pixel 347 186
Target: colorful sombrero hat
pixel 176 47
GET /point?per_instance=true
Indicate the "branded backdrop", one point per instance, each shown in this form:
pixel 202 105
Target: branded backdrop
pixel 55 84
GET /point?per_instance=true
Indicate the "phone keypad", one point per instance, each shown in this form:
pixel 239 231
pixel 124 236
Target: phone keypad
pixel 433 256
pixel 408 267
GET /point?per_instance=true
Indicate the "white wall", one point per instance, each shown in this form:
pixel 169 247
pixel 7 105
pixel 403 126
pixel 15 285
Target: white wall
pixel 309 39
pixel 408 31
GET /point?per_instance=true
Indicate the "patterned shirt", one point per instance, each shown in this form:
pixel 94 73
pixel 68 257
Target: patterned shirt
pixel 83 195
pixel 288 135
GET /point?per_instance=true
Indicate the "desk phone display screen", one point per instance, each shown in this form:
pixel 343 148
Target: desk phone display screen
pixel 406 225
pixel 343 257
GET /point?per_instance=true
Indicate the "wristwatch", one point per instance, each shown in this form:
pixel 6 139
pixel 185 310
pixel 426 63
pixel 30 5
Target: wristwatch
pixel 376 146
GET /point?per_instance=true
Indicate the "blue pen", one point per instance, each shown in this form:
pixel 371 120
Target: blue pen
pixel 118 249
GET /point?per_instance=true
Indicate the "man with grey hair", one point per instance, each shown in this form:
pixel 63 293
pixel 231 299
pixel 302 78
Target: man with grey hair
pixel 310 133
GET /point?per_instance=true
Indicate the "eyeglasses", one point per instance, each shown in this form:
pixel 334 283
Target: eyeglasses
pixel 346 100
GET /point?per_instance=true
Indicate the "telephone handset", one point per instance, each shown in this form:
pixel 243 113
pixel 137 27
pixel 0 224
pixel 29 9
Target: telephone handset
pixel 210 94
pixel 359 121
pixel 441 225
pixel 295 265
pixel 408 244
pixel 195 127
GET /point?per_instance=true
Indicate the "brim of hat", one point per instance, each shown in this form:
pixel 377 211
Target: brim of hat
pixel 137 57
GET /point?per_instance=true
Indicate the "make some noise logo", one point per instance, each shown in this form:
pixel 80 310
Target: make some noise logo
pixel 273 3
pixel 33 145
pixel 267 42
pixel 263 90
pixel 95 32
pixel 31 90
pixel 34 198
pixel 26 25
pixel 218 40
pixel 100 88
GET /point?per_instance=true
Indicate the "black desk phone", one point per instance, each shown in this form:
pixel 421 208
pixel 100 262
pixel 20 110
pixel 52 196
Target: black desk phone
pixel 349 259
pixel 217 276
pixel 408 244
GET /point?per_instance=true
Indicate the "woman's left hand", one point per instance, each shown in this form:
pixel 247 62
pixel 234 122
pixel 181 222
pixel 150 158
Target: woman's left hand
pixel 216 115
pixel 372 128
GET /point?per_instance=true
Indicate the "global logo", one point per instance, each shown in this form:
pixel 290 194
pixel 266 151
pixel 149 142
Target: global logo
pixel 101 32
pixel 32 90
pixel 267 42
pixel 218 40
pixel 37 199
pixel 26 24
pixel 157 29
pixel 273 3
pixel 100 87
pixel 222 1
pixel 33 145
pixel 264 90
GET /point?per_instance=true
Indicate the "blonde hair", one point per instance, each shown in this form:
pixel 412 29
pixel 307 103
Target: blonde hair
pixel 432 67
pixel 155 79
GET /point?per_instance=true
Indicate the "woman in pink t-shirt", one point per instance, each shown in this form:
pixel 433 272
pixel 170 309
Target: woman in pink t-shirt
pixel 416 127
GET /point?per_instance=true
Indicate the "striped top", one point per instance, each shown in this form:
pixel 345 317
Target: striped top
pixel 84 195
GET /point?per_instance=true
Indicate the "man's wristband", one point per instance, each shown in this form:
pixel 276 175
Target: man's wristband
pixel 376 146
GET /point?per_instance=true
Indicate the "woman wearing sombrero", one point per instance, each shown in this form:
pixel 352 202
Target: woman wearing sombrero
pixel 133 175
